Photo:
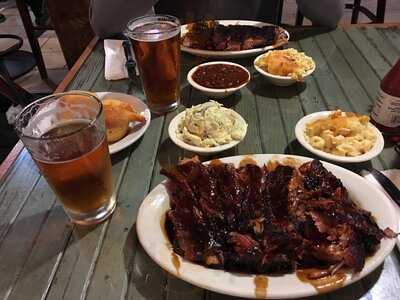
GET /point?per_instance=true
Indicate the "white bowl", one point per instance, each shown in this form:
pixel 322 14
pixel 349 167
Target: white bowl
pixel 276 79
pixel 300 135
pixel 155 242
pixel 216 93
pixel 173 127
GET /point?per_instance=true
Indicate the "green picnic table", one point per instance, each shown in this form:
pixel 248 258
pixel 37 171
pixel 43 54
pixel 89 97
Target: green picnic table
pixel 44 256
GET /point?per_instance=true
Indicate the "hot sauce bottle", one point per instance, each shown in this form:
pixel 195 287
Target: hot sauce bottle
pixel 386 111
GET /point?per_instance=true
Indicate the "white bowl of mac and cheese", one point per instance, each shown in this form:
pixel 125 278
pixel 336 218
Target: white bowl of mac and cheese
pixel 339 136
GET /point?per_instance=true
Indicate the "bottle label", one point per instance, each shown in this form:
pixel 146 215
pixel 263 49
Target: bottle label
pixel 386 110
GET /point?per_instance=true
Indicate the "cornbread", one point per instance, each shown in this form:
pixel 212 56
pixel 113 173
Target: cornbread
pixel 117 116
pixel 341 133
pixel 288 62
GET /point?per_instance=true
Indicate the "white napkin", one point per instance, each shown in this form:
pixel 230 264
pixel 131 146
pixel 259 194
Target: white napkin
pixel 394 176
pixel 115 68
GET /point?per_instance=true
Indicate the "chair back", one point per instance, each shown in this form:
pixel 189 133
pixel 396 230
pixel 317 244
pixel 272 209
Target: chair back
pixel 194 10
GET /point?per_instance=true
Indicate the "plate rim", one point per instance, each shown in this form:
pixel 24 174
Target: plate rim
pixel 372 264
pixel 117 146
pixel 299 133
pixel 232 54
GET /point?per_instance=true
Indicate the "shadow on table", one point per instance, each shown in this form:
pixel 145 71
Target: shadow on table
pixel 190 96
pixel 301 32
pixel 146 278
pixel 261 87
pixel 295 148
pixel 47 231
pixel 169 154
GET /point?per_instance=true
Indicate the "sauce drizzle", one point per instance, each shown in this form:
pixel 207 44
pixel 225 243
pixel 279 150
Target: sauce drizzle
pixel 323 284
pixel 174 257
pixel 248 160
pixel 261 284
pixel 175 261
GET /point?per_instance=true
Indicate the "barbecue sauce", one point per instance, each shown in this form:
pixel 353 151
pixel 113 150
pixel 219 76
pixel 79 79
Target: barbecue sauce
pixel 261 285
pixel 166 227
pixel 386 112
pixel 175 261
pixel 220 76
pixel 323 284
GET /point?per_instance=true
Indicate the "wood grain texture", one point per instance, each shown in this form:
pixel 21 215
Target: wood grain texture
pixel 72 25
pixel 382 44
pixel 44 256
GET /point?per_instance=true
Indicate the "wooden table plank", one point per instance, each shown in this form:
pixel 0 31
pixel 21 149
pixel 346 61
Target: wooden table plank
pixel 359 65
pixel 88 73
pixel 393 36
pixel 344 75
pixel 382 44
pixel 369 51
pixel 38 272
pixel 269 117
pixel 110 279
pixel 15 191
pixel 331 91
pixel 16 247
pixel 147 279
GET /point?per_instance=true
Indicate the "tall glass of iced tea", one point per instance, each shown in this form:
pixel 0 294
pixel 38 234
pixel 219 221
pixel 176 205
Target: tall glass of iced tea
pixel 156 44
pixel 65 135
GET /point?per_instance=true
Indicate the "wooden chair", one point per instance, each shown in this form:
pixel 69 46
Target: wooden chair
pixel 32 33
pixel 379 17
pixel 14 63
pixel 70 21
pixel 192 10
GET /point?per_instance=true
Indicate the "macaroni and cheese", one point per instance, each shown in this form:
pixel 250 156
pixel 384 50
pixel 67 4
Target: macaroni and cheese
pixel 287 62
pixel 341 133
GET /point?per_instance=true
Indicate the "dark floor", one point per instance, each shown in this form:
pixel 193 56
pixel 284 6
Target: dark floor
pixel 8 138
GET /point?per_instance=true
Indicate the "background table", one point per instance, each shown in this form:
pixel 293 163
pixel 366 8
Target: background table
pixel 44 256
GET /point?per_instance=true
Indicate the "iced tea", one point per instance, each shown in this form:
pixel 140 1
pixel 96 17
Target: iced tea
pixel 82 180
pixel 156 44
pixel 65 135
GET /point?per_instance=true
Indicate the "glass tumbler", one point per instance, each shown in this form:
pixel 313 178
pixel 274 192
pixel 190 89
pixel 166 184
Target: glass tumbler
pixel 66 137
pixel 156 43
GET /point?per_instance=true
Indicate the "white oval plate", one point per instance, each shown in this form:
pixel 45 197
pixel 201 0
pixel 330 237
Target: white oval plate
pixel 394 176
pixel 277 79
pixel 216 93
pixel 300 135
pixel 136 130
pixel 233 54
pixel 173 127
pixel 156 243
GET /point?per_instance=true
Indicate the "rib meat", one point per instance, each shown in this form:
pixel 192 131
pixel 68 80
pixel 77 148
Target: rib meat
pixel 267 220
